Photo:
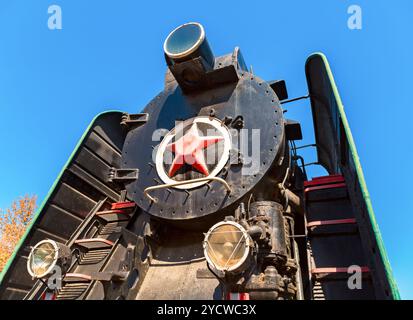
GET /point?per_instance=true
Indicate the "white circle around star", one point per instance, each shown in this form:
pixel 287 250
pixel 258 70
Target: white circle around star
pixel 191 144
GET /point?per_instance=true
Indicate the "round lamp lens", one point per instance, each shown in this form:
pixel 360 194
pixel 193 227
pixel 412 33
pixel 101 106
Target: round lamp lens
pixel 227 246
pixel 42 258
pixel 184 40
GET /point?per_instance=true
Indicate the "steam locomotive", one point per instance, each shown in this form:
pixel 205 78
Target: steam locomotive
pixel 204 195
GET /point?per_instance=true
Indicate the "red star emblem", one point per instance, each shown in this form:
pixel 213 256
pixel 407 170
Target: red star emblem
pixel 189 149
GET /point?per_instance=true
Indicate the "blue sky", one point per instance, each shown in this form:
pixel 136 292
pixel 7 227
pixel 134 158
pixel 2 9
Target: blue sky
pixel 109 56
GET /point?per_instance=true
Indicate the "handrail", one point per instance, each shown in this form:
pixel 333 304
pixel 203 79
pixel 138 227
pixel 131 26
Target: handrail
pixel 180 183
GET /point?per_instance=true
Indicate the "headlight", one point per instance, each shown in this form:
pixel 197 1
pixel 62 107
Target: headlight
pixel 187 42
pixel 45 255
pixel 184 40
pixel 228 247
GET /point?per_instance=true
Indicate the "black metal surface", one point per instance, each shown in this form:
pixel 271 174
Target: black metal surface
pixel 280 89
pixel 130 121
pixel 325 115
pixel 293 130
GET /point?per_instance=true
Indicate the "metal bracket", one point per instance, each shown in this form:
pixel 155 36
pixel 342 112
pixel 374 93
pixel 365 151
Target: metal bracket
pixel 131 121
pixel 238 123
pixel 123 175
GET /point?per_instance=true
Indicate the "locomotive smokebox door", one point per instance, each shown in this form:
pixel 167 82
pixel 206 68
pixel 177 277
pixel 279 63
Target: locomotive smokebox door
pixel 206 143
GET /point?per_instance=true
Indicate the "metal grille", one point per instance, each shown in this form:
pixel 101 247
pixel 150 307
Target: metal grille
pixel 110 228
pixel 72 291
pixel 94 256
pixel 318 292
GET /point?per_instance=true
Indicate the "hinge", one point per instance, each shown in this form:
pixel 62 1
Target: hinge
pixel 123 175
pixel 131 121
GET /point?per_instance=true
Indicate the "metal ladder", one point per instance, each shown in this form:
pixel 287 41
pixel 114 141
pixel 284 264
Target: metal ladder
pixel 335 246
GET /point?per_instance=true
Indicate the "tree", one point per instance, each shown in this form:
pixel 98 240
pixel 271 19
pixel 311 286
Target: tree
pixel 13 224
